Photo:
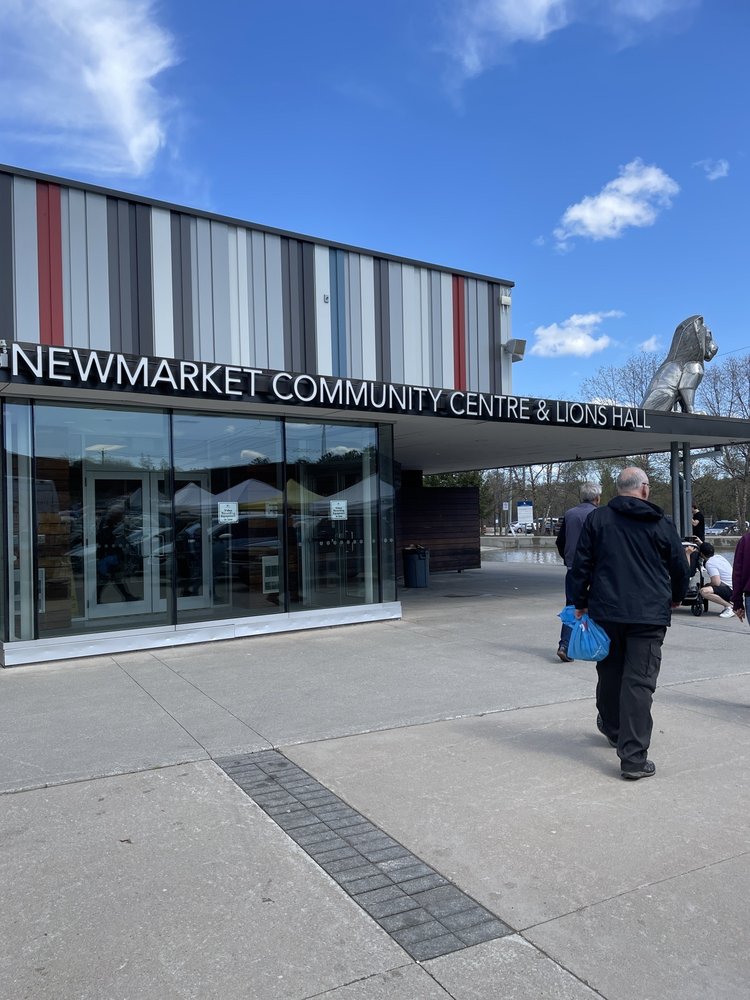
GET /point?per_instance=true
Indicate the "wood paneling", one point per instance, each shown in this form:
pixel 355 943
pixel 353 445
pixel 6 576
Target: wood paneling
pixel 445 520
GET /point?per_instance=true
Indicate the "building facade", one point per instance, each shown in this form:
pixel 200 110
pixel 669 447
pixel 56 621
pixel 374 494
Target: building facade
pixel 198 413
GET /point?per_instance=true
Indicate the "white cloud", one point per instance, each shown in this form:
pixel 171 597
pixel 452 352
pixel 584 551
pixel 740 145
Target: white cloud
pixel 578 336
pixel 634 198
pixel 479 33
pixel 650 346
pixel 715 169
pixel 82 75
pixel 482 29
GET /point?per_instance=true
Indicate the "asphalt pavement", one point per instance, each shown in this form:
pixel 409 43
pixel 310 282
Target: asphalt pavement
pixel 408 810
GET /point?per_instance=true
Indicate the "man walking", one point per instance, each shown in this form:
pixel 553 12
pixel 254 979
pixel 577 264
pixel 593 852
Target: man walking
pixel 566 542
pixel 629 571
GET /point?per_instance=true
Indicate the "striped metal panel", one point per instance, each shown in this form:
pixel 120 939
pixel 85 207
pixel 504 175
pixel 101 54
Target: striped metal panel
pixel 95 269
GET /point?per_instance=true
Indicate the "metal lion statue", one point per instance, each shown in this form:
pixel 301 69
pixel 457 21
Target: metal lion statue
pixel 680 373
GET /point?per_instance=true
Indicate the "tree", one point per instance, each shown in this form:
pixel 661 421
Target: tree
pixel 625 385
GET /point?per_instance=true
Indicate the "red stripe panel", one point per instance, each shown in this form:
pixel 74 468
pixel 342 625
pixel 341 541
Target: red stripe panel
pixel 459 332
pixel 49 243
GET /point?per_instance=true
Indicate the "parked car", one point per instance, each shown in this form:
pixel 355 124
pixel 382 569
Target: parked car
pixel 722 528
pixel 517 528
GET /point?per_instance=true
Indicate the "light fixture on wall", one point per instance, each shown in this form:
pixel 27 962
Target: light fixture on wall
pixel 505 300
pixel 516 349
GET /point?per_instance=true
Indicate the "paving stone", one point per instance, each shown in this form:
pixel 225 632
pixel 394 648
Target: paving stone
pixel 419 884
pixel 314 839
pixel 404 919
pixel 386 907
pixel 297 820
pixel 351 874
pixel 335 867
pixel 421 951
pixel 388 854
pixel 420 932
pixel 466 918
pixel 343 850
pixel 409 872
pixel 366 884
pixel 378 895
pixel 443 900
pixel 483 932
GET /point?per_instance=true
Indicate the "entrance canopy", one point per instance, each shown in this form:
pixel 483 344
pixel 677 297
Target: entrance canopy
pixel 444 445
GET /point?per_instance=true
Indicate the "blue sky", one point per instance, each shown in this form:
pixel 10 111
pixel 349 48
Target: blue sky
pixel 595 152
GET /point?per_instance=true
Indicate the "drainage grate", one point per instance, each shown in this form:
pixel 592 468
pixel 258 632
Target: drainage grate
pixel 421 910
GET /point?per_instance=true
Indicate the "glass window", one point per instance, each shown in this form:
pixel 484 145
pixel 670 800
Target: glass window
pixel 229 516
pixel 103 514
pixel 332 496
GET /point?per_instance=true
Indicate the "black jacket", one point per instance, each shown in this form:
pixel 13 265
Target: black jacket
pixel 629 565
pixel 570 530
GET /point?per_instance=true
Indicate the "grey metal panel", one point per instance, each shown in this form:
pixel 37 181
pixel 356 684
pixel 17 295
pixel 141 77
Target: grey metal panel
pixel 222 341
pixel 97 271
pixel 273 302
pixel 493 311
pixel 25 260
pixel 183 286
pixel 65 265
pixel 7 321
pixel 113 260
pixel 338 312
pixel 143 332
pixel 259 314
pixel 289 278
pixel 354 317
pixel 472 338
pixel 309 340
pixel 436 332
pixel 204 288
pixel 177 287
pixel 483 338
pixel 382 320
pixel 128 276
pixel 395 321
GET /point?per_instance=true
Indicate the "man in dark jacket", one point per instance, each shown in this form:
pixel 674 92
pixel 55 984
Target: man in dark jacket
pixel 629 571
pixel 566 542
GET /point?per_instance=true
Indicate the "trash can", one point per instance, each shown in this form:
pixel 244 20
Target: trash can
pixel 416 566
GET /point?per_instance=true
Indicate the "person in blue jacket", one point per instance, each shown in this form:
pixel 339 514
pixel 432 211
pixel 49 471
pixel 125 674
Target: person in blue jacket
pixel 566 542
pixel 629 571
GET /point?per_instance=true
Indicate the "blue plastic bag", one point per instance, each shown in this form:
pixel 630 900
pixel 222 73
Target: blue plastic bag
pixel 588 641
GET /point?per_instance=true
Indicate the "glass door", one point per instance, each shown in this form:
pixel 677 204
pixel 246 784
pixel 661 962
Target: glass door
pixel 124 543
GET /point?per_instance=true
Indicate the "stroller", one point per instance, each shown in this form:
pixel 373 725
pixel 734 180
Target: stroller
pixel 692 598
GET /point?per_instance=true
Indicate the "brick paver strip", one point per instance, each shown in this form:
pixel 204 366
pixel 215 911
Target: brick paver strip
pixel 414 904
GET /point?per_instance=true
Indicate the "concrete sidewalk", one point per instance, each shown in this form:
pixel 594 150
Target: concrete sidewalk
pixel 134 866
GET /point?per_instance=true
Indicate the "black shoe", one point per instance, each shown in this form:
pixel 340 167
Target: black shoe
pixel 563 654
pixel 600 726
pixel 644 770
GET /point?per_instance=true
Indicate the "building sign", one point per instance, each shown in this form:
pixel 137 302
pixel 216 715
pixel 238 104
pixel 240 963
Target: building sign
pixel 70 368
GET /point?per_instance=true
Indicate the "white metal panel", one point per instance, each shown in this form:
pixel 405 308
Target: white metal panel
pixel 396 321
pixel 161 278
pixel 220 291
pixel 274 302
pixel 97 270
pixel 446 322
pixel 25 260
pixel 426 308
pixel 412 329
pixel 323 310
pixel 204 341
pixel 367 291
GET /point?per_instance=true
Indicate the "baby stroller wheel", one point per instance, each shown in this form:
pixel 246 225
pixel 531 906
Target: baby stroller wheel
pixel 697 608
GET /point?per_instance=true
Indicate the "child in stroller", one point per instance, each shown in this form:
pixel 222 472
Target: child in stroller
pixel 692 598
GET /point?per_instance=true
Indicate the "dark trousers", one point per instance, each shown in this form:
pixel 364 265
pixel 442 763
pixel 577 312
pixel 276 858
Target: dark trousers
pixel 566 630
pixel 627 681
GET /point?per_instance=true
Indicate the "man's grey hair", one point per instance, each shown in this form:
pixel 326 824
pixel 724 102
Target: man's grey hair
pixel 629 480
pixel 590 491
